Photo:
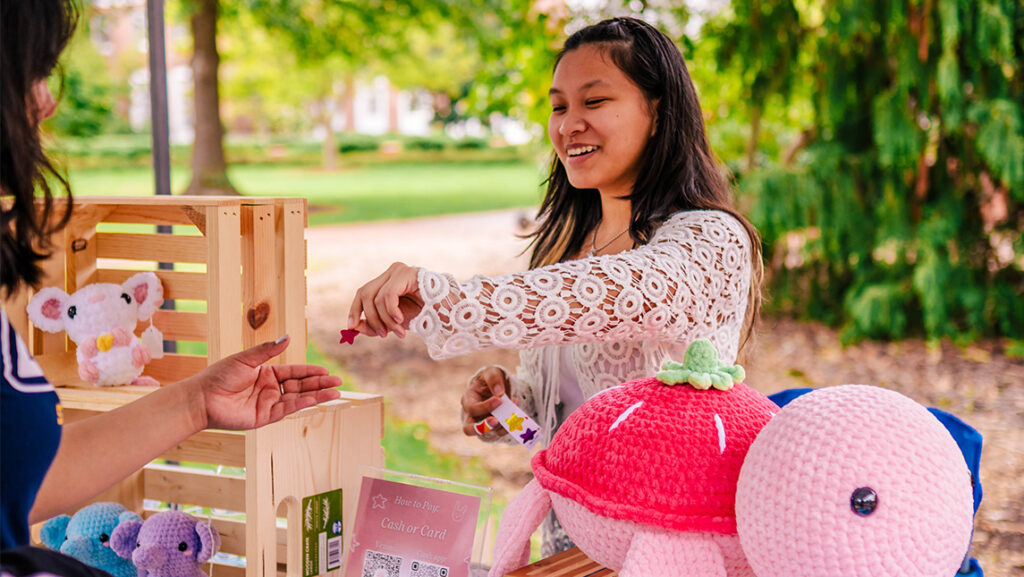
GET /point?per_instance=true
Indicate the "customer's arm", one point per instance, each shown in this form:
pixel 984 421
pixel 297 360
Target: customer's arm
pixel 237 392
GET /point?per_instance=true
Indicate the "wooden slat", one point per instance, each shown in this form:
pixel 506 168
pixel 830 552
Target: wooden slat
pixel 261 299
pixel 164 248
pixel 97 399
pixel 223 270
pixel 177 284
pixel 86 217
pixel 118 201
pixel 61 369
pixel 571 563
pixel 181 326
pixel 148 214
pixel 357 398
pixel 173 367
pixel 223 570
pixel 172 484
pixel 291 279
pixel 215 447
pixel 81 260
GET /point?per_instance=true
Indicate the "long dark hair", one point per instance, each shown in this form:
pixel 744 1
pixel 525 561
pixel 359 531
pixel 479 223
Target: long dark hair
pixel 35 32
pixel 678 170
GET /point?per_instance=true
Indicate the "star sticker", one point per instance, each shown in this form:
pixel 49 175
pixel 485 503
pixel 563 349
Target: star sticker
pixel 482 427
pixel 528 435
pixel 348 336
pixel 515 423
pixel 379 500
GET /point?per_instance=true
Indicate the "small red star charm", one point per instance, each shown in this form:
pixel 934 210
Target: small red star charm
pixel 348 336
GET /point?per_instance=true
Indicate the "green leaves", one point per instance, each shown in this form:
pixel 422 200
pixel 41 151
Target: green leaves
pixel 1000 141
pixel 907 216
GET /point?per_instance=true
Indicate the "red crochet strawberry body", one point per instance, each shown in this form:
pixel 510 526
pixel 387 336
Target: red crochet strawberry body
pixel 661 455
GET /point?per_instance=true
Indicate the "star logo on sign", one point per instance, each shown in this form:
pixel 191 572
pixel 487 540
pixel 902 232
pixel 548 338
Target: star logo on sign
pixel 379 500
pixel 515 423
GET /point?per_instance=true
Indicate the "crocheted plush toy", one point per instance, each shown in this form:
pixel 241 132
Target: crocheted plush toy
pixel 643 475
pixel 100 318
pixel 854 481
pixel 168 544
pixel 86 536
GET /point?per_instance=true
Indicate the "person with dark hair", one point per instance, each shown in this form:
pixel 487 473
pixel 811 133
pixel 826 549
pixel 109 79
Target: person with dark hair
pixel 46 468
pixel 638 251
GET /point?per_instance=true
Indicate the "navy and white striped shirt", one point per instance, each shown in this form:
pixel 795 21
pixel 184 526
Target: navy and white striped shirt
pixel 30 424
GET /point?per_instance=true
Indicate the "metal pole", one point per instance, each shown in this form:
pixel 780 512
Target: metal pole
pixel 159 123
pixel 158 96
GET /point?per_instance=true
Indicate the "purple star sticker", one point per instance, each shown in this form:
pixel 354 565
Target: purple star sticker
pixel 528 435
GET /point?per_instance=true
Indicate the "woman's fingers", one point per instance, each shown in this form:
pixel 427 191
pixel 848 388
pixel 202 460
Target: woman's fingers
pixel 481 398
pixel 385 302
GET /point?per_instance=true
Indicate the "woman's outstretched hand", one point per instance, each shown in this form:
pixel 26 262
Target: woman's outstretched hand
pixel 483 395
pixel 240 392
pixel 387 303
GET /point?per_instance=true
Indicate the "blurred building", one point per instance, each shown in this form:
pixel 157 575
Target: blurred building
pixel 374 106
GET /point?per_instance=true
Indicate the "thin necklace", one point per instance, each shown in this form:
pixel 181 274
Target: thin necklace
pixel 594 249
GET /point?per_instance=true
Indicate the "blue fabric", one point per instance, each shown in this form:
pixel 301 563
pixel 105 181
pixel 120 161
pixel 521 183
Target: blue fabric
pixel 966 437
pixel 973 569
pixel 29 434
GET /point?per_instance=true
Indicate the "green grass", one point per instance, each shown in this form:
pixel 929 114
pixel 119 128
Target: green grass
pixel 368 192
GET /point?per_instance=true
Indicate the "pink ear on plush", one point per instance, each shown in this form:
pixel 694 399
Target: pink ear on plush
pixel 46 309
pixel 147 291
pixel 520 519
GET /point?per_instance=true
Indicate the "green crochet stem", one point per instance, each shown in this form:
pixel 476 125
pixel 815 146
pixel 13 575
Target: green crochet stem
pixel 701 369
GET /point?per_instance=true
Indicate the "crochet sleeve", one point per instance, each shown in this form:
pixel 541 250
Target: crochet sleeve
pixel 694 273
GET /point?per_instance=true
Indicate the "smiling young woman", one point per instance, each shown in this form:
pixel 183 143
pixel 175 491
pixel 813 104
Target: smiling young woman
pixel 638 251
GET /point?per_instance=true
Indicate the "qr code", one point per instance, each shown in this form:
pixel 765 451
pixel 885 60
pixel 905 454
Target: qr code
pixel 377 564
pixel 421 569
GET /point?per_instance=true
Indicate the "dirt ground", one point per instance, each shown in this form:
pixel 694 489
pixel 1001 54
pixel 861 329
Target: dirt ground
pixel 978 383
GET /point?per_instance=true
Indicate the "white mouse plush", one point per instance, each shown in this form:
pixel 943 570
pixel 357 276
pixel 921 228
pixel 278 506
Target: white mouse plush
pixel 100 318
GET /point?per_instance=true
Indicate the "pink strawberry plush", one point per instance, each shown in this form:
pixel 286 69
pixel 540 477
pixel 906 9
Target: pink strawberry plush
pixel 643 475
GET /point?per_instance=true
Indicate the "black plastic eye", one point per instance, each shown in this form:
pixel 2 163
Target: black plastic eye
pixel 183 546
pixel 72 311
pixel 104 538
pixel 126 298
pixel 863 501
pixel 138 544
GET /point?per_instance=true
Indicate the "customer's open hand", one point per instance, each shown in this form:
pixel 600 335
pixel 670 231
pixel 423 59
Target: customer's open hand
pixel 240 392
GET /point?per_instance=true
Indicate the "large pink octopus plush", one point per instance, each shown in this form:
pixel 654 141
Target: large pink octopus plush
pixel 643 475
pixel 100 318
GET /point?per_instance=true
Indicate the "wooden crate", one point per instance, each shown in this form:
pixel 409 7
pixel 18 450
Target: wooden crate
pixel 243 260
pixel 571 563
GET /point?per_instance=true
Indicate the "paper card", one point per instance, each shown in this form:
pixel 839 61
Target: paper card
pixel 321 533
pixel 409 530
pixel 518 424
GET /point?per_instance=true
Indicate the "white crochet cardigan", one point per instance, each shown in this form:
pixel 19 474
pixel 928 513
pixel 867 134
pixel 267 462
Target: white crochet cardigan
pixel 622 315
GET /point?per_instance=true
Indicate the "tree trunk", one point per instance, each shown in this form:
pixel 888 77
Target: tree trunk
pixel 330 148
pixel 209 169
pixel 755 135
pixel 392 109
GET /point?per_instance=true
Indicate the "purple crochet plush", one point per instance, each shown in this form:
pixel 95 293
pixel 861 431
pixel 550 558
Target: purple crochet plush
pixel 168 544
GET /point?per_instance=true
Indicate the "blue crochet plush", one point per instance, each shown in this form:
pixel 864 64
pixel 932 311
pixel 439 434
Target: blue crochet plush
pixel 86 537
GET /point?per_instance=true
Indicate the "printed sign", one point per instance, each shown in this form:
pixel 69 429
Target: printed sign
pixel 404 530
pixel 321 533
